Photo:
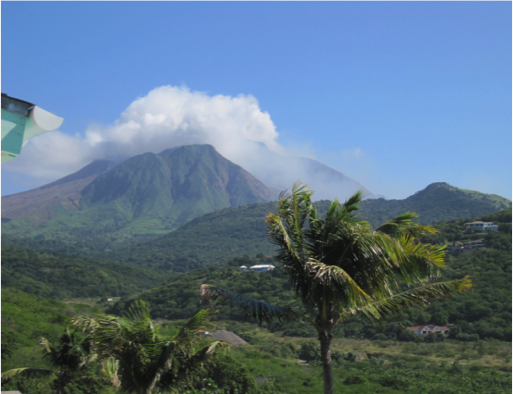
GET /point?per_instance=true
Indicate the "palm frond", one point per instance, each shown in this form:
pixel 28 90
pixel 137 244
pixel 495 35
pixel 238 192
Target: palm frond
pixel 110 368
pixel 330 282
pixel 262 311
pixel 404 224
pixel 398 224
pixel 419 296
pixel 139 312
pixel 26 372
pixel 417 261
pixel 194 327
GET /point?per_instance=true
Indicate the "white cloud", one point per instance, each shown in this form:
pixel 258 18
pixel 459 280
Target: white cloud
pixel 351 154
pixel 171 116
pixel 168 116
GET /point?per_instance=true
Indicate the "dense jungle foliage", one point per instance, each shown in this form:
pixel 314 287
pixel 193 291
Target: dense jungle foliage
pixel 482 313
pixel 269 364
pixel 26 318
pixel 53 275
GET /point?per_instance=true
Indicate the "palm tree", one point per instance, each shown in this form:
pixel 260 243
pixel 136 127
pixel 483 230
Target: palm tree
pixel 137 359
pixel 71 354
pixel 338 266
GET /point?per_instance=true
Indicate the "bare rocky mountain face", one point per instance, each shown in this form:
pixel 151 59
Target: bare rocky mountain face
pixel 64 193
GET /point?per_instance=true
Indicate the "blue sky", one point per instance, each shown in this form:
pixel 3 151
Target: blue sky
pixel 395 95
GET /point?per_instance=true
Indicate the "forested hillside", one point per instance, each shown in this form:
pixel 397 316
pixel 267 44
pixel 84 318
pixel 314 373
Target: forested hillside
pixel 210 239
pixel 26 318
pixel 53 275
pixel 221 235
pixel 437 202
pixel 144 196
pixel 218 236
pixel 485 311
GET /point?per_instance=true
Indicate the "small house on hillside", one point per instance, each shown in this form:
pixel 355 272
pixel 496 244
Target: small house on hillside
pixel 465 247
pixel 424 330
pixel 481 226
pixel 257 268
pixel 262 268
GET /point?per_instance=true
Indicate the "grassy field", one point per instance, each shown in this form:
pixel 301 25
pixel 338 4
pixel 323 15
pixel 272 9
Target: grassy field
pixel 380 366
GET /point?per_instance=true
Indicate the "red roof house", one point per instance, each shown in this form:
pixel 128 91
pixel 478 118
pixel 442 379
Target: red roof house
pixel 426 329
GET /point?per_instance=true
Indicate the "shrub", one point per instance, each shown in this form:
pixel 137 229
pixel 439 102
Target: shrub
pixel 309 352
pixel 354 379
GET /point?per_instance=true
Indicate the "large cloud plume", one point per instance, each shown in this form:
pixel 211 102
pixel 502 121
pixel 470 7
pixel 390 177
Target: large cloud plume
pixel 172 116
pixel 167 117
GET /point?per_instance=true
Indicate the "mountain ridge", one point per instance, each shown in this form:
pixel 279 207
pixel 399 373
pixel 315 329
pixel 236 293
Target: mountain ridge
pixel 237 231
pixel 149 193
pixel 44 201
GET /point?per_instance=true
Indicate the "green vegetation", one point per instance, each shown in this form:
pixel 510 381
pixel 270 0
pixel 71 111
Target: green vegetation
pixel 366 357
pixel 210 239
pixel 148 195
pixel 54 275
pixel 485 311
pixel 338 267
pixel 107 354
pixel 25 319
pixel 231 232
pixel 271 364
pixel 69 361
pixel 374 366
pixel 437 202
pixel 139 360
pixel 221 235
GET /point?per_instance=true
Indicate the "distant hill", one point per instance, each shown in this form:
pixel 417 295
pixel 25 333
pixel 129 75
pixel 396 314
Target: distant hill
pixel 437 202
pixel 221 235
pixel 53 275
pixel 209 239
pixel 144 195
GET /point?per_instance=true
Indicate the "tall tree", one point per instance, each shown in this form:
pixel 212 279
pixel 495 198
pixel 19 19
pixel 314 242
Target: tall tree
pixel 70 355
pixel 138 359
pixel 338 266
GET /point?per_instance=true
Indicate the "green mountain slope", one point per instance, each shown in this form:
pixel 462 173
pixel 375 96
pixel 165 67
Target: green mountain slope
pixel 149 194
pixel 54 199
pixel 52 275
pixel 25 319
pixel 218 236
pixel 209 239
pixel 437 202
pixel 485 311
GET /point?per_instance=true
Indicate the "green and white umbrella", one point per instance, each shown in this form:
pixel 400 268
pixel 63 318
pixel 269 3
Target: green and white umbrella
pixel 22 121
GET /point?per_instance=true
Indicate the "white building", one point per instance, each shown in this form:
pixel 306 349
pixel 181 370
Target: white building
pixel 257 268
pixel 262 268
pixel 424 330
pixel 482 226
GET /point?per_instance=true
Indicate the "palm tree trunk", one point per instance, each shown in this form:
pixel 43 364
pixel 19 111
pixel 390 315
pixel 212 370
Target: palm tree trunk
pixel 325 339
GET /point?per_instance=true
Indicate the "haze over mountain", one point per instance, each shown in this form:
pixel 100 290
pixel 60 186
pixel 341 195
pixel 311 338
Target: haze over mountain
pixel 148 193
pixel 282 171
pixel 170 116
